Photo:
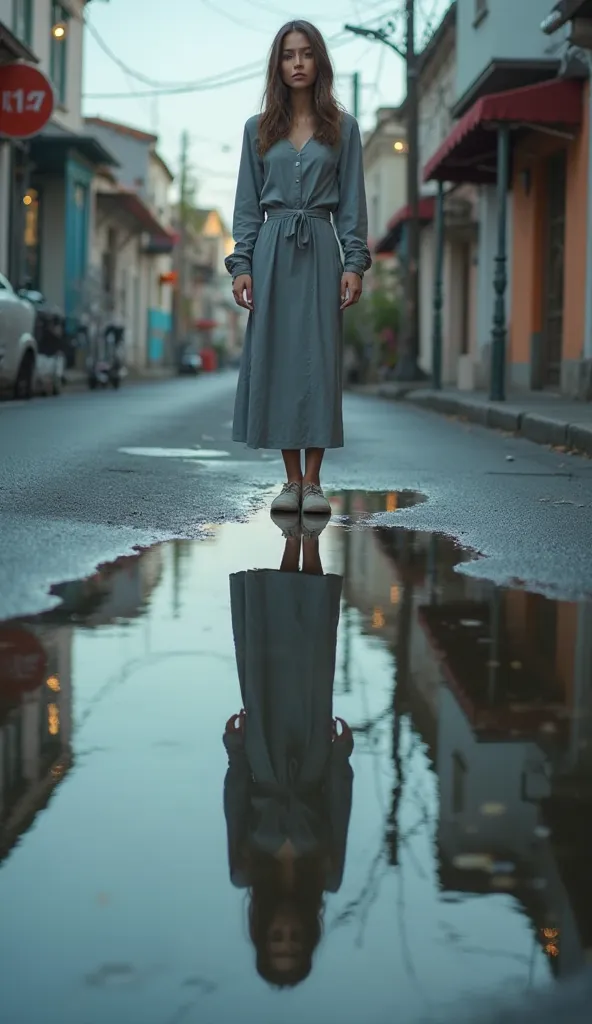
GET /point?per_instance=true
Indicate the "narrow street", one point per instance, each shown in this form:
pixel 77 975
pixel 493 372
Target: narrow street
pixel 84 479
pixel 470 705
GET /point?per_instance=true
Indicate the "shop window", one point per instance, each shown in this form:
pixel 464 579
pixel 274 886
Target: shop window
pixel 22 21
pixel 58 56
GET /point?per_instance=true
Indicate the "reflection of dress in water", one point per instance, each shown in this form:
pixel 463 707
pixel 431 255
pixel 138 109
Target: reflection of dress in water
pixel 286 780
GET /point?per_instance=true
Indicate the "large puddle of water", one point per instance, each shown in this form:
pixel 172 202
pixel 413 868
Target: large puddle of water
pixel 159 865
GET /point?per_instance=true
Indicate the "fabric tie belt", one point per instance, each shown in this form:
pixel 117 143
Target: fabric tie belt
pixel 298 222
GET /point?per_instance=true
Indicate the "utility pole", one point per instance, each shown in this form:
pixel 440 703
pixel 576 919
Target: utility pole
pixel 181 292
pixel 356 94
pixel 407 368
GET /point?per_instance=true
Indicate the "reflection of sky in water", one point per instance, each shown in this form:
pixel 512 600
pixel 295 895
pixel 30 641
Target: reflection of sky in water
pixel 117 905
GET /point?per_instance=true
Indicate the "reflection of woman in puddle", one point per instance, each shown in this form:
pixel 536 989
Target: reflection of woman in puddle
pixel 287 793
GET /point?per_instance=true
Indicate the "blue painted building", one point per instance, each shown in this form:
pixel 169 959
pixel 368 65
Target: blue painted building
pixel 61 168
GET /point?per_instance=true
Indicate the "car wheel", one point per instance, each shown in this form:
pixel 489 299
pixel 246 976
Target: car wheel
pixel 23 385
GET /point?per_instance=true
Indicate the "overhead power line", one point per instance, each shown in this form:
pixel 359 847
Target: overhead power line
pixel 236 76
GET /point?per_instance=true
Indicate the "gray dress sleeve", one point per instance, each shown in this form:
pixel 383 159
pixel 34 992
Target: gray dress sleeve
pixel 248 216
pixel 351 216
pixel 237 804
pixel 339 785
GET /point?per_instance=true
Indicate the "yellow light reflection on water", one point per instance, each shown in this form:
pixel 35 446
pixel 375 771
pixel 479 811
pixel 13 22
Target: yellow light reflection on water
pixel 378 619
pixel 53 684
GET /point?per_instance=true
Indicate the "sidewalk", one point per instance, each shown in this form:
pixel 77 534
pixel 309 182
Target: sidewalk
pixel 540 417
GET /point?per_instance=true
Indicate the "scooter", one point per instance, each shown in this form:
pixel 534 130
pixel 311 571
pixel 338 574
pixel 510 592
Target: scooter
pixel 105 361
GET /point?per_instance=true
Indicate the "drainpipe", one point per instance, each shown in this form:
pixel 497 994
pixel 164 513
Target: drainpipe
pixel 588 329
pixel 438 292
pixel 499 331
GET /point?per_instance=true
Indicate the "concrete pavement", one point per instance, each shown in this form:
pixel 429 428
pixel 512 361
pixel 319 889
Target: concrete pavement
pixel 544 418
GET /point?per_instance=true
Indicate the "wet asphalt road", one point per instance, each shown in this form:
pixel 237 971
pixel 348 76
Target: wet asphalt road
pixel 81 481
pixel 459 843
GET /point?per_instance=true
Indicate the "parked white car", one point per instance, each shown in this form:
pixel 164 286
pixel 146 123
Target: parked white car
pixel 24 370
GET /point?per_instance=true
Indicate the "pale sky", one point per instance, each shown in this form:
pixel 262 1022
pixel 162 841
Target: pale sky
pixel 186 41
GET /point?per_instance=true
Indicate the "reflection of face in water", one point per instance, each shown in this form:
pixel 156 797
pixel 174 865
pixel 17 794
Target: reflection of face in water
pixel 287 793
pixel 285 916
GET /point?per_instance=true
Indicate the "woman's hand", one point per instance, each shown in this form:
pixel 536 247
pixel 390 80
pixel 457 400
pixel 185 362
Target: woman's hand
pixel 345 736
pixel 351 289
pixel 235 725
pixel 242 289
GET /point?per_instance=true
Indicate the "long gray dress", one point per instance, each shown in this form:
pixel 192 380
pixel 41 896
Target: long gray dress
pixel 290 384
pixel 286 779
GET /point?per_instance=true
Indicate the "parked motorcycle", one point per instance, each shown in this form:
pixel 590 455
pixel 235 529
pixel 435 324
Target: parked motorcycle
pixel 105 361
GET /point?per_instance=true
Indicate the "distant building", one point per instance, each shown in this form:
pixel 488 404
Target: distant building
pixel 133 241
pixel 210 315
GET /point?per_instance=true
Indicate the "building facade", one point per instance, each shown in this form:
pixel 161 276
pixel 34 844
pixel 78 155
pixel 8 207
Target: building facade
pixel 437 90
pixel 521 137
pixel 133 242
pixel 209 317
pixel 385 169
pixel 47 181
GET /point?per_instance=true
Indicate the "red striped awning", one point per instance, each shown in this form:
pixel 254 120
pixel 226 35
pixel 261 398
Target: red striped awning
pixel 390 240
pixel 427 206
pixel 468 154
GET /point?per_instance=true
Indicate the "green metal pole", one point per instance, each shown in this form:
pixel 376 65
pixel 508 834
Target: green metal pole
pixel 438 291
pixel 500 282
pixel 356 93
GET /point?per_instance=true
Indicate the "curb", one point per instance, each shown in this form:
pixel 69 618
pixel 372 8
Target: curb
pixel 540 429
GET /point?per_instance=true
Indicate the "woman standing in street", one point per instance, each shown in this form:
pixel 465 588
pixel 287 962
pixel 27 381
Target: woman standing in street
pixel 301 167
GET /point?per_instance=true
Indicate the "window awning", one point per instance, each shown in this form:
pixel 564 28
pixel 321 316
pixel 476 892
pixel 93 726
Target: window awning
pixel 53 145
pixel 129 203
pixel 389 242
pixel 468 154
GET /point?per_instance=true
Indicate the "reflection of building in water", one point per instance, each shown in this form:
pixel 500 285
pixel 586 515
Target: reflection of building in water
pixel 119 590
pixel 35 722
pixel 498 683
pixel 36 684
pixel 518 671
pixel 369 582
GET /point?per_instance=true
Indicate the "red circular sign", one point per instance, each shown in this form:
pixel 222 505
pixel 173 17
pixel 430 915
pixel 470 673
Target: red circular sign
pixel 26 100
pixel 23 661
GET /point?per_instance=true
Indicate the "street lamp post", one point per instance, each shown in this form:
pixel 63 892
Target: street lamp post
pixel 407 368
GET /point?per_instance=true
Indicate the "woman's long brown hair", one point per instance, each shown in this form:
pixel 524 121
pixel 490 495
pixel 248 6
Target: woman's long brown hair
pixel 276 120
pixel 267 896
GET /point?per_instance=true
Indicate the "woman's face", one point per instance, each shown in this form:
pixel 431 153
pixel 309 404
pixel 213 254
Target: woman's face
pixel 298 66
pixel 285 941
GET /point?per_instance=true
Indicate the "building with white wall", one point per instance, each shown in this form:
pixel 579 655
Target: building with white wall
pixel 437 92
pixel 385 169
pixel 133 242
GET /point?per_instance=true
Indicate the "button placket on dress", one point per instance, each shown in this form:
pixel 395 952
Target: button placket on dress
pixel 297 165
